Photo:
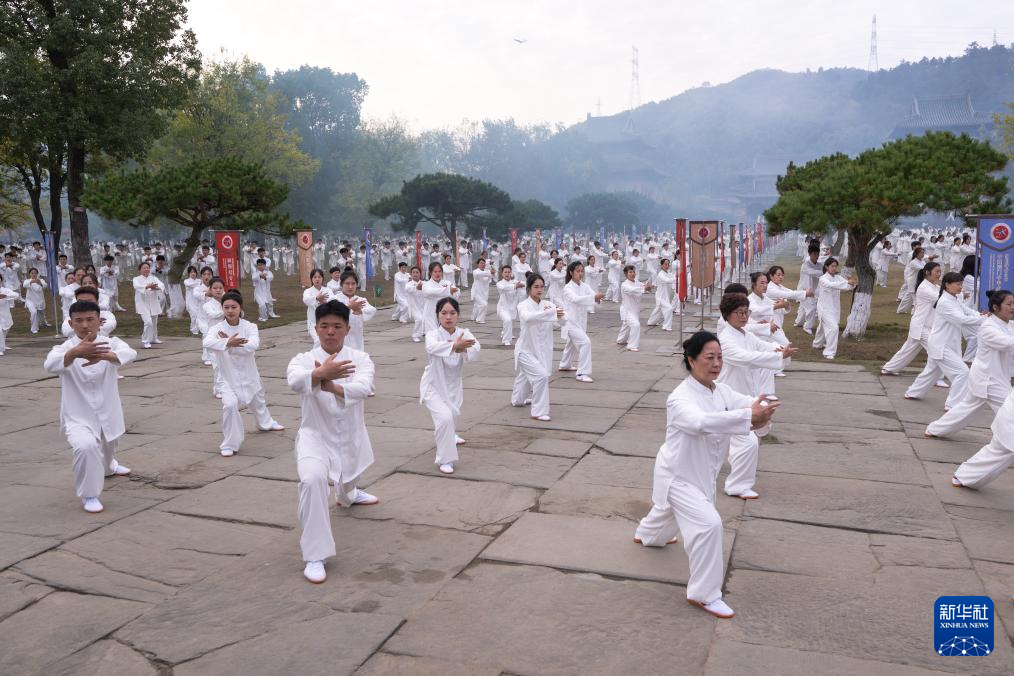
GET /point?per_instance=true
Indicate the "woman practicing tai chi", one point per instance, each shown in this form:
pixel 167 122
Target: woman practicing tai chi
pixel 578 300
pixel 701 418
pixel 533 353
pixel 448 347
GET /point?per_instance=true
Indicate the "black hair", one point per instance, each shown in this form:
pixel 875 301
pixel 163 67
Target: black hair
pixel 80 306
pixel 530 279
pixel 754 276
pixel 996 298
pixel 444 301
pixel 86 289
pixel 773 269
pixel 829 261
pixel 949 278
pixel 415 267
pixel 570 270
pixel 332 307
pixel 349 274
pixel 94 278
pixel 189 268
pixel 403 264
pixel 334 269
pixel 260 260
pixel 916 251
pixel 813 248
pixel 159 257
pixel 735 287
pixel 732 302
pixel 317 271
pixel 694 345
pixel 627 268
pixel 926 269
pixel 143 263
pixel 208 268
pixel 433 266
pixel 214 280
pixel 232 294
pixel 969 265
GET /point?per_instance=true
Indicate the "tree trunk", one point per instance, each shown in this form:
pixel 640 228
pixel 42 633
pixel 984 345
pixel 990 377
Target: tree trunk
pixel 181 262
pixel 839 243
pixel 862 297
pixel 78 215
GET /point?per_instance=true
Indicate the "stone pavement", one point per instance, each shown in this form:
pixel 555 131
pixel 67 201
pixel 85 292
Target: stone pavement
pixel 520 563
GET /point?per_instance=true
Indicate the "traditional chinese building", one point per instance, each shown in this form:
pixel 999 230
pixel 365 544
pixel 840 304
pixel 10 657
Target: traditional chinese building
pixel 944 113
pixel 755 190
pixel 627 160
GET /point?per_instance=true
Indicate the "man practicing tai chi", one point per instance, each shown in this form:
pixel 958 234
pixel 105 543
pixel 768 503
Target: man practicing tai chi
pixel 90 412
pixel 334 381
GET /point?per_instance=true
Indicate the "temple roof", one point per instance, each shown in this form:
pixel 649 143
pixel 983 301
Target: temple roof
pixel 940 113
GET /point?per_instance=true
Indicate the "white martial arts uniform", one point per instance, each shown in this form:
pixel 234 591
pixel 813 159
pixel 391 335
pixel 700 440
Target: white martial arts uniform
pixel 614 274
pixel 994 458
pixel 533 355
pixel 402 312
pixel 67 298
pixel 943 351
pixel 700 423
pixel 762 309
pixel 578 299
pixel 332 443
pixel 147 304
pixel 918 328
pixel 416 308
pixel 213 313
pixel 907 296
pixel 241 382
pixel 7 299
pixel 809 278
pixel 310 301
pixel 433 291
pixel 35 301
pixel 630 314
pixel 829 290
pixel 988 379
pixel 556 279
pixel 480 294
pixel 507 307
pixel 106 326
pixel 665 292
pixel 355 338
pixel 440 389
pixel 262 294
pixel 90 412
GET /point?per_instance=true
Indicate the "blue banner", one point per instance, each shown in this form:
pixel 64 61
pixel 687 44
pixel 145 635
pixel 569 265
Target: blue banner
pixel 559 239
pixel 368 235
pixel 51 274
pixel 602 237
pixel 742 244
pixel 485 240
pixel 996 247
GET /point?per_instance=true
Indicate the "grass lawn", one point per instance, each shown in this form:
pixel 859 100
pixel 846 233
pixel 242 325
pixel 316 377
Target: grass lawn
pixel 286 290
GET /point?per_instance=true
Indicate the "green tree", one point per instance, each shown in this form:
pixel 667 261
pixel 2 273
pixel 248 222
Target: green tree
pixel 80 78
pixel 13 212
pixel 864 196
pixel 1005 126
pixel 443 200
pixel 225 192
pixel 523 215
pixel 233 113
pixel 592 210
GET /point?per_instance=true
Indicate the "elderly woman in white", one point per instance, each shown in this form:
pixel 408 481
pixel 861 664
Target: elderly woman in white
pixel 702 416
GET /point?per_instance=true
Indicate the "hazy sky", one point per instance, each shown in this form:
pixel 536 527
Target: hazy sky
pixel 434 63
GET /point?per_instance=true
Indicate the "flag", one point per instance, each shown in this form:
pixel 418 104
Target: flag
pixel 368 236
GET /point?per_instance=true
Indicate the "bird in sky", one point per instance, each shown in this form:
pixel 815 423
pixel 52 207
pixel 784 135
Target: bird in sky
pixel 520 41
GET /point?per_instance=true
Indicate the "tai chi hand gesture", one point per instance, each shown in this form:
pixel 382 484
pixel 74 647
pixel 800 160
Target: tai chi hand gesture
pixel 234 341
pixel 462 344
pixel 356 305
pixel 332 369
pixel 90 351
pixel 761 412
pixel 322 297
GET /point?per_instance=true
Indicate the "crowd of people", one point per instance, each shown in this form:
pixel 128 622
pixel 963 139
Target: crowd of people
pixel 721 411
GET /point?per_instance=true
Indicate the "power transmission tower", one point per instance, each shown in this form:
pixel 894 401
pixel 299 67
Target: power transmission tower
pixel 994 38
pixel 598 107
pixel 873 65
pixel 635 91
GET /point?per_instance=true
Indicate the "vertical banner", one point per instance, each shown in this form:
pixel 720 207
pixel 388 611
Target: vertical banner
pixel 514 240
pixel 703 234
pixel 227 252
pixel 760 238
pixel 733 251
pixel 681 239
pixel 996 247
pixel 485 241
pixel 602 238
pixel 741 229
pixel 49 244
pixel 368 237
pixel 418 251
pixel 304 251
pixel 722 251
pixel 558 240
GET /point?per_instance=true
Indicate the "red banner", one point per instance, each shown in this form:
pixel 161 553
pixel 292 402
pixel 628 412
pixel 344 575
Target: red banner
pixel 304 249
pixel 681 238
pixel 514 241
pixel 760 239
pixel 418 251
pixel 722 252
pixel 227 252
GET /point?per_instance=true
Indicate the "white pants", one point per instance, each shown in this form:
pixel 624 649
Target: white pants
pixel 531 381
pixel 826 335
pixel 881 277
pixel 401 313
pixel 479 310
pixel 194 328
pixel 905 300
pixel 950 366
pixel 908 351
pixel 988 464
pixel 661 314
pixel 444 424
pixel 971 335
pixel 507 333
pixel 956 418
pixel 3 340
pixel 743 452
pixel 692 514
pixel 630 333
pixel 217 383
pixel 93 460
pixel 38 318
pixel 613 291
pixel 265 310
pixel 419 328
pixel 317 541
pixel 577 349
pixel 232 421
pixel 806 316
pixel 150 332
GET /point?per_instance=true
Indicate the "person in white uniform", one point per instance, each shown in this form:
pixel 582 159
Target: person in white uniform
pixel 762 311
pixel 919 327
pixel 107 320
pixel 147 304
pixel 314 296
pixel 448 347
pixel 578 299
pixel 234 342
pixel 332 445
pixel 533 353
pixel 829 289
pixel 481 277
pixel 35 298
pixel 360 308
pixel 943 351
pixel 994 458
pixel 630 309
pixel 989 379
pixel 7 299
pixel 702 416
pixel 262 278
pixel 91 415
pixel 402 312
pixel 809 277
pixel 510 291
pixel 665 291
pixel 907 296
pixel 433 289
pixel 614 275
pixel 416 303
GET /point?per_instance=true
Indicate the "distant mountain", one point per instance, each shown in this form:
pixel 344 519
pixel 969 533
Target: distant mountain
pixel 701 149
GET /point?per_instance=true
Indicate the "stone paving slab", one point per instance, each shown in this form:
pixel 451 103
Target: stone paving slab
pixel 105 658
pixel 335 644
pixel 999 493
pixel 59 625
pixel 69 572
pixel 854 411
pixel 508 438
pixel 594 545
pixel 564 417
pixel 241 500
pixel 56 513
pixel 564 448
pixel 643 443
pixel 849 503
pixel 15 546
pixel 18 591
pixel 598 626
pixel 483 464
pixel 177 469
pixel 998 578
pixel 876 460
pixel 947 451
pixel 473 506
pixel 386 664
pixel 986 533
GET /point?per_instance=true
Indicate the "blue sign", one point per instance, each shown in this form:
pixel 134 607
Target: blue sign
pixel 49 244
pixel 963 626
pixel 996 247
pixel 369 253
pixel 559 239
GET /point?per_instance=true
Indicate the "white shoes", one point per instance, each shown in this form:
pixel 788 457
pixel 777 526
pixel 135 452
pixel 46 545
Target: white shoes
pixel 120 470
pixel 446 468
pixel 718 608
pixel 458 440
pixel 146 346
pixel 364 498
pixel 275 427
pixel 92 505
pixel 228 452
pixel 748 494
pixel 314 572
pixel 633 349
pixel 942 383
pixel 541 418
pixel 582 378
pixel 157 341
